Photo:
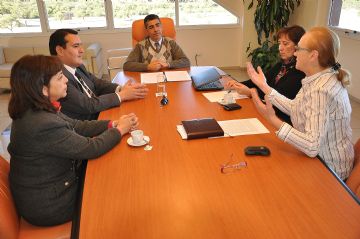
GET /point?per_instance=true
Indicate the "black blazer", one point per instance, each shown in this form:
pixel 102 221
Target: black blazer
pixel 288 85
pixel 78 105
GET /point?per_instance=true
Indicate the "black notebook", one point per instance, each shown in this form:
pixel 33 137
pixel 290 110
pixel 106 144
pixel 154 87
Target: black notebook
pixel 202 128
pixel 208 79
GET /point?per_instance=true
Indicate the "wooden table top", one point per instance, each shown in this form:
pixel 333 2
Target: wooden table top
pixel 176 190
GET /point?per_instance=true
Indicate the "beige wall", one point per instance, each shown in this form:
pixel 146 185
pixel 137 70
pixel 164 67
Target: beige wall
pixel 311 13
pixel 349 59
pixel 315 13
pixel 216 46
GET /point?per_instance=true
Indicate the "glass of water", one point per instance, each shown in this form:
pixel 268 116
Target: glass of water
pixel 160 85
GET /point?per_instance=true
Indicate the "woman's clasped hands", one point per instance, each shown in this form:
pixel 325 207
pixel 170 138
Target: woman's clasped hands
pixel 127 123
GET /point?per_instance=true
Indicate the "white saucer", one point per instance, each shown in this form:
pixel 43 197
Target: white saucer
pixel 146 140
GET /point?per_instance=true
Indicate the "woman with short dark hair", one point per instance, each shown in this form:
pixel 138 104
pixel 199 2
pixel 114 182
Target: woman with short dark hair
pixel 46 147
pixel 283 76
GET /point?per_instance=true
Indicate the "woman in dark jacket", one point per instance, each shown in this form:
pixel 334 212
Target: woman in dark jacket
pixel 283 77
pixel 47 147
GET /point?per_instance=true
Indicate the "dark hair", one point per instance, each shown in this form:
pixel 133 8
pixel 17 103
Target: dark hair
pixel 28 77
pixel 149 18
pixel 58 39
pixel 294 33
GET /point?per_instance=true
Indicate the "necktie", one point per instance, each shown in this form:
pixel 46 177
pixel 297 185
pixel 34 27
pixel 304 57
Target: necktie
pixel 157 46
pixel 84 86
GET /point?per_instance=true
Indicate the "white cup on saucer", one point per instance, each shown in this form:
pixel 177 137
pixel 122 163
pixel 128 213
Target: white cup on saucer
pixel 137 136
pixel 229 98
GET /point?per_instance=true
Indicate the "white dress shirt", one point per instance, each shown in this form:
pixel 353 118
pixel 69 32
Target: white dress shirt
pixel 72 71
pixel 320 114
pixel 153 42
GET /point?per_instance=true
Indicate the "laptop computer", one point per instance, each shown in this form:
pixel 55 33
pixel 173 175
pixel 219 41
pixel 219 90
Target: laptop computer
pixel 208 79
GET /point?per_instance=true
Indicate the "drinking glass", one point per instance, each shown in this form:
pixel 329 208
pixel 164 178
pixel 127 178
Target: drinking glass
pixel 160 85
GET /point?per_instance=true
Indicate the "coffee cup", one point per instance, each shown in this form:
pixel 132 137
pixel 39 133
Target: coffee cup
pixel 137 136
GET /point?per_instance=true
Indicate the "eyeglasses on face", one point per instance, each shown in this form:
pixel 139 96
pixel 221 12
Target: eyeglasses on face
pixel 297 48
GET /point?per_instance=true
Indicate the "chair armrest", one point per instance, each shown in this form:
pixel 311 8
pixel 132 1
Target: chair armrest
pixel 93 50
pixel 94 59
pixel 116 62
pixel 118 52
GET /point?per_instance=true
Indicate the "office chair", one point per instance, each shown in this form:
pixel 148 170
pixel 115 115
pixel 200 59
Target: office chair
pixel 14 227
pixel 139 33
pixel 353 180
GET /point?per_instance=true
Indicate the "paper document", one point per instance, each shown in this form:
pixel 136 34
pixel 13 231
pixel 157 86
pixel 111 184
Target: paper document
pixel 218 96
pixel 243 127
pixel 150 78
pixel 177 76
pixel 235 127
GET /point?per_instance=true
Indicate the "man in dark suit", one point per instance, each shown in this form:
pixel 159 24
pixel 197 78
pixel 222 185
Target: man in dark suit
pixel 87 96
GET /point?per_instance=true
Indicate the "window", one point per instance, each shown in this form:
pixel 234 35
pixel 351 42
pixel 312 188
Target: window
pixel 75 14
pixel 345 14
pixel 17 16
pixel 25 16
pixel 126 11
pixel 203 12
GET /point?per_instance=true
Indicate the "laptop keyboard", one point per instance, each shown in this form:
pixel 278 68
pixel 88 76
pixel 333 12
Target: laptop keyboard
pixel 211 86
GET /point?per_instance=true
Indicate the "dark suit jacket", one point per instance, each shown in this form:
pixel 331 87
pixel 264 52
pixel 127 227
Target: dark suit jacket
pixel 45 150
pixel 78 105
pixel 288 85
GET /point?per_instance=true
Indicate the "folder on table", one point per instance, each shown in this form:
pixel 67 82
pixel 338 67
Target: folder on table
pixel 202 128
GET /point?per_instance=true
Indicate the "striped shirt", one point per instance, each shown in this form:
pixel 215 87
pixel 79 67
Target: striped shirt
pixel 320 114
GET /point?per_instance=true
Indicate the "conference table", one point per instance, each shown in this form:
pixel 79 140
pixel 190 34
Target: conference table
pixel 177 190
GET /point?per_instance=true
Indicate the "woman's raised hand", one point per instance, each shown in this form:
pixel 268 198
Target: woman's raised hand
pixel 258 78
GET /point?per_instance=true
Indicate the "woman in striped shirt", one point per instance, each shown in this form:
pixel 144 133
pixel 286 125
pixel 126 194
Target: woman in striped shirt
pixel 320 112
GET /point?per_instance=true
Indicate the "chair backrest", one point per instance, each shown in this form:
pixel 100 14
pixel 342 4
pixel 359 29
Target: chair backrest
pixel 9 219
pixel 353 180
pixel 139 32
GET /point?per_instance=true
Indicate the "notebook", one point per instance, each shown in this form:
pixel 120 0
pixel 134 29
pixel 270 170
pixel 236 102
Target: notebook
pixel 202 128
pixel 208 79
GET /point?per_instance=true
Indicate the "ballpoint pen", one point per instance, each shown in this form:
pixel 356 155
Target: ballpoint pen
pixel 165 78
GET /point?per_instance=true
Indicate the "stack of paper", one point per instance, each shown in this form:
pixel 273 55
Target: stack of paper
pixel 218 96
pixel 150 78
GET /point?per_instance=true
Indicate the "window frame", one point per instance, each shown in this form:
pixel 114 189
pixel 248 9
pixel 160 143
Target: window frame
pixel 45 27
pixel 334 18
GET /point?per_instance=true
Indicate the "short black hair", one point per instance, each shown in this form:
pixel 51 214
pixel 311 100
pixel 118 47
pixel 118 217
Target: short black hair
pixel 149 18
pixel 28 77
pixel 58 39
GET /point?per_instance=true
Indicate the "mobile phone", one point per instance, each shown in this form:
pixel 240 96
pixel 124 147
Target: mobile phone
pixel 257 150
pixel 232 106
